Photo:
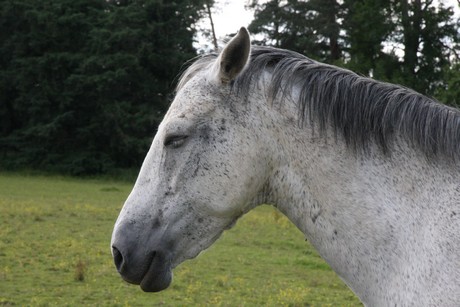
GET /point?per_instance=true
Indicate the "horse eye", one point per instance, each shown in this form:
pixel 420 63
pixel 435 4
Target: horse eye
pixel 175 141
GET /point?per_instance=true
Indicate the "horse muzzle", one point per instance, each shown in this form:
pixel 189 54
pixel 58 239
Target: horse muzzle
pixel 141 263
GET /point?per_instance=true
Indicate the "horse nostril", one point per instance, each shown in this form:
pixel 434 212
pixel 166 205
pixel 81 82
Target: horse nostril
pixel 117 258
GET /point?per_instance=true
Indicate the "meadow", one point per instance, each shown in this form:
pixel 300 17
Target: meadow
pixel 55 251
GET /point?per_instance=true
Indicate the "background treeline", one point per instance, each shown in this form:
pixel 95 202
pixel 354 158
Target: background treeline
pixel 84 83
pixel 409 42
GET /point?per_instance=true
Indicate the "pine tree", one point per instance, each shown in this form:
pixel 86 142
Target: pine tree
pixel 309 27
pixel 368 24
pixel 406 42
pixel 84 83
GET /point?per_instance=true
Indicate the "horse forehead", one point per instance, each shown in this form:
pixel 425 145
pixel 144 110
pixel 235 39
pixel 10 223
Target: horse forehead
pixel 196 98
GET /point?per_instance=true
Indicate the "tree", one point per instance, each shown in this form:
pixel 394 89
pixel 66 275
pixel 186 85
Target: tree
pixel 84 83
pixel 359 34
pixel 368 24
pixel 41 47
pixel 208 5
pixel 425 29
pixel 449 92
pixel 326 14
pixel 269 21
pixel 309 27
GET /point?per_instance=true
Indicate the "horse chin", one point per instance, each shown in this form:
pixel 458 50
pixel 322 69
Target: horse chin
pixel 159 275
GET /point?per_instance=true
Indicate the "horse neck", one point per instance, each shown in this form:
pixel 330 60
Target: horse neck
pixel 371 217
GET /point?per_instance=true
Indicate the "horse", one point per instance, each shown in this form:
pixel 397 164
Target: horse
pixel 368 171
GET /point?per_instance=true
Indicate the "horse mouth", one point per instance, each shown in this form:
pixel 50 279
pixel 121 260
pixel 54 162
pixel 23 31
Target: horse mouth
pixel 155 274
pixel 158 275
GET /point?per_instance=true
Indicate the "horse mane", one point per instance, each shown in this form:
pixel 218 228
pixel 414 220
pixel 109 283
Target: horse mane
pixel 360 109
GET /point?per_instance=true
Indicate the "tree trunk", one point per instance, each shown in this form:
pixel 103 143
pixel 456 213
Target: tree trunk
pixel 334 46
pixel 411 33
pixel 213 32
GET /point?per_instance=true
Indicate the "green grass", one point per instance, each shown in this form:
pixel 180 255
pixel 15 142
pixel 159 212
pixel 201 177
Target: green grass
pixel 55 251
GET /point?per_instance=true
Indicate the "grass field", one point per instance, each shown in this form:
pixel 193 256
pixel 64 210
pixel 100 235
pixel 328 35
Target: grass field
pixel 54 251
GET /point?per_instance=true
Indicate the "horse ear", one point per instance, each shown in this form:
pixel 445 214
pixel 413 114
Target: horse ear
pixel 234 57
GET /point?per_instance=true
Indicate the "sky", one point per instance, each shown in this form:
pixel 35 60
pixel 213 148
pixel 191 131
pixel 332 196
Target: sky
pixel 230 16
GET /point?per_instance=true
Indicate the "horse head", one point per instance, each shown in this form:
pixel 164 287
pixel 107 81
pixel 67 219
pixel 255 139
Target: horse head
pixel 202 172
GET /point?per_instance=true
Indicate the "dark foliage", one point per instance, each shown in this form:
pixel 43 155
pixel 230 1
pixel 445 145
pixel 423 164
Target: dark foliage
pixel 84 83
pixel 414 43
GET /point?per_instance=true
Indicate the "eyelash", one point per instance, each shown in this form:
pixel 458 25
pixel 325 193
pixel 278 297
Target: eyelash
pixel 175 141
